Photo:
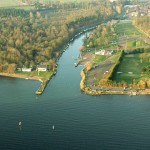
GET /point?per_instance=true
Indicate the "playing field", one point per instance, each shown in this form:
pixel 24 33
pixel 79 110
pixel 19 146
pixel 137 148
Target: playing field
pixel 125 27
pixel 130 68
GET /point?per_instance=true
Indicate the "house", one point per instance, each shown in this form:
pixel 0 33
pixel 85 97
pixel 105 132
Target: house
pixel 103 52
pixel 42 67
pixel 137 10
pixel 26 69
pixel 134 14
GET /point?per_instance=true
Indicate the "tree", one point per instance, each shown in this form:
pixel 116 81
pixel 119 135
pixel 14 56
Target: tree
pixel 91 44
pixel 118 9
pixel 89 66
pixel 52 64
pixel 18 43
pixel 142 84
pixel 11 42
pixel 31 16
pixel 148 83
pixel 81 49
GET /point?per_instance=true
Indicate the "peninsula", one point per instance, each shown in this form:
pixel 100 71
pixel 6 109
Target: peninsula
pixel 116 56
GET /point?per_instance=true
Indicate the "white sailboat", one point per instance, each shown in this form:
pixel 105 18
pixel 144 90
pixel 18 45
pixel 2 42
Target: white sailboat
pixel 20 123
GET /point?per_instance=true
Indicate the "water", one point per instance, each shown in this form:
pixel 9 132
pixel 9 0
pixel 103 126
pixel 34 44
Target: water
pixel 81 122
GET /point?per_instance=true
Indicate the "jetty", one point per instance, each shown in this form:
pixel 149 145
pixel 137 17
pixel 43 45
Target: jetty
pixel 42 87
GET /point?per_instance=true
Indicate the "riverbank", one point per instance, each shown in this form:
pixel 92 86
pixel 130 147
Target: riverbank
pixel 44 80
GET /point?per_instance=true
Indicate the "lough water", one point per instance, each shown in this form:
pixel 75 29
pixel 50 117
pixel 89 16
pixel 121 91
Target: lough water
pixel 81 122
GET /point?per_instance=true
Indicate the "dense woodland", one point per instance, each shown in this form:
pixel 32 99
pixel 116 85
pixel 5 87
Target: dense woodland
pixel 29 38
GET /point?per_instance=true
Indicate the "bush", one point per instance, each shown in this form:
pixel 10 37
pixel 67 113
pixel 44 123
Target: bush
pixel 89 66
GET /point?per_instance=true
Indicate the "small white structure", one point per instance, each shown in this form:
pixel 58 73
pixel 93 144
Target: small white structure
pixel 42 68
pixel 26 69
pixel 134 14
pixel 20 123
pixel 103 52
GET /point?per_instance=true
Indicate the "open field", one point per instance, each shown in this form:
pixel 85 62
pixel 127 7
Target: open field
pixel 41 75
pixel 136 43
pixel 100 58
pixel 126 36
pixel 125 28
pixel 25 7
pixel 12 3
pixel 129 37
pixel 8 3
pixel 130 68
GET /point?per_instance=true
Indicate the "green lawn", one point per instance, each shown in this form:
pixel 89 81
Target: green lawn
pixel 24 7
pixel 8 3
pixel 100 58
pixel 126 28
pixel 134 43
pixel 44 75
pixel 130 68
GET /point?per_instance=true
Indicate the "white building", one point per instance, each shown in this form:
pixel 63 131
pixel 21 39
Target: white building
pixel 103 52
pixel 42 68
pixel 26 69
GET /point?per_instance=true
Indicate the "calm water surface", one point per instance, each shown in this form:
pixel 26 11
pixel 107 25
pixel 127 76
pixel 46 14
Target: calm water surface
pixel 81 122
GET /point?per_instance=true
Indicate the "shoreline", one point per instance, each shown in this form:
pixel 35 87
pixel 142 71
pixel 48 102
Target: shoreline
pixel 90 91
pixel 109 90
pixel 26 77
pixel 14 75
pixel 43 81
pixel 42 86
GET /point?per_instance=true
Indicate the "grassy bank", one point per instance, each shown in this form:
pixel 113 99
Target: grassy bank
pixel 43 77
